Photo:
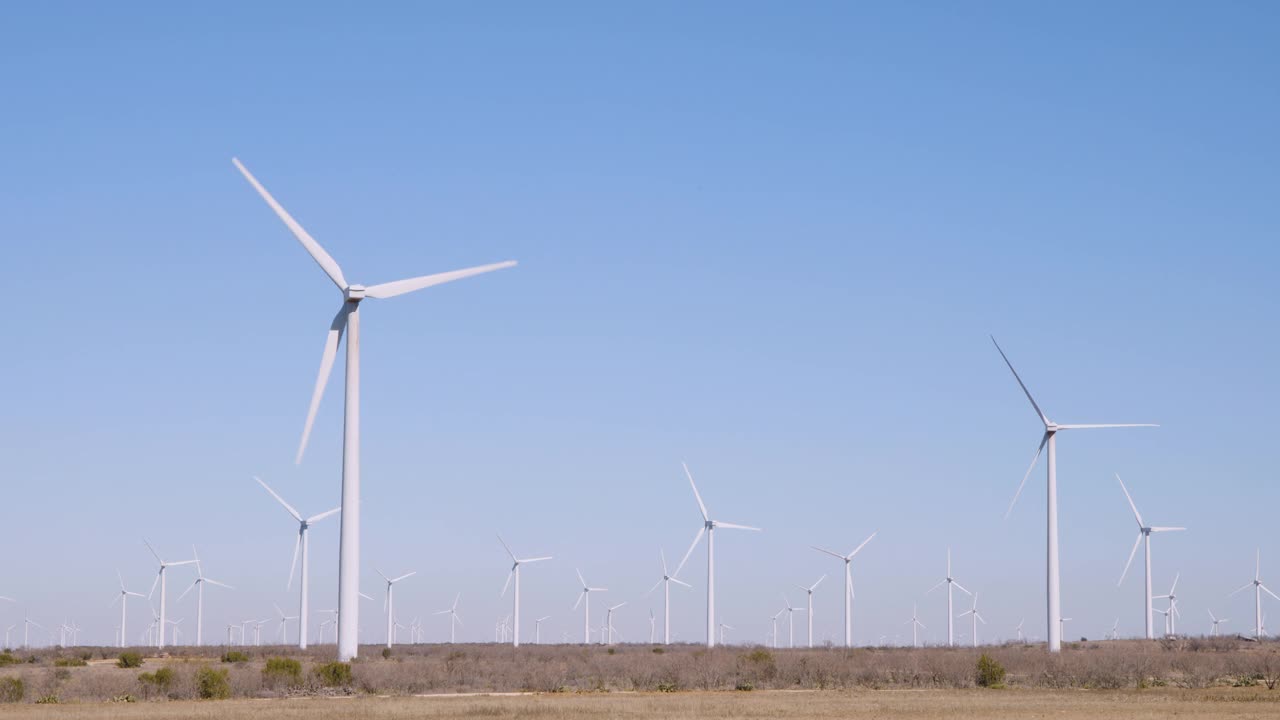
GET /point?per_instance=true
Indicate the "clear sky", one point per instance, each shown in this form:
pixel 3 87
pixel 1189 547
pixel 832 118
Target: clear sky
pixel 769 239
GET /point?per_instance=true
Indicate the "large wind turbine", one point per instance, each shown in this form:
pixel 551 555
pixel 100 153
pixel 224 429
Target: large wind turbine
pixel 198 586
pixel 848 586
pixel 585 595
pixel 949 582
pixel 667 579
pixel 1258 589
pixel 301 543
pixel 515 573
pixel 123 599
pixel 1144 537
pixel 160 578
pixel 388 604
pixel 348 320
pixel 809 610
pixel 708 528
pixel 1053 579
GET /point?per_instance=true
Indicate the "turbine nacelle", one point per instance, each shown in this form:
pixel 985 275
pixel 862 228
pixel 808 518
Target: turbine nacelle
pixel 353 293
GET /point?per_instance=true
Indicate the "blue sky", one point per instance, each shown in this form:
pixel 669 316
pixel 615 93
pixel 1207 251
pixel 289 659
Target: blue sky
pixel 766 239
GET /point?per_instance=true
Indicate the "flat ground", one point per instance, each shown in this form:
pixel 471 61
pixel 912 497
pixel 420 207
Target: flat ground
pixel 1158 703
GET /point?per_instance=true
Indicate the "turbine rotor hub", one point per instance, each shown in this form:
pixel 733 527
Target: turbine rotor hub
pixel 353 293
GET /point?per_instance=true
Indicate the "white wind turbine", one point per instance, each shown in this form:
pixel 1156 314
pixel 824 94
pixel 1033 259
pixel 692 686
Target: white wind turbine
pixel 1216 622
pixel 667 579
pixel 452 612
pixel 585 596
pixel 774 632
pixel 708 528
pixel 1054 604
pixel 123 599
pixel 284 623
pixel 515 573
pixel 198 586
pixel 388 605
pixel 10 629
pixel 348 320
pixel 608 623
pixel 975 616
pixel 1062 624
pixel 1173 613
pixel 1115 630
pixel 916 626
pixel 1144 538
pixel 791 622
pixel 848 586
pixel 653 627
pixel 949 581
pixel 537 629
pixel 809 608
pixel 160 578
pixel 300 544
pixel 724 627
pixel 1258 589
pixel 1019 630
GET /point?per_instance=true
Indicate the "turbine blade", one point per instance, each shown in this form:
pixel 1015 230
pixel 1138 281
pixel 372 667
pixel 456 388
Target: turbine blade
pixel 735 526
pixel 279 499
pixel 327 356
pixel 153 552
pixel 701 531
pixel 537 559
pixel 322 258
pixel 579 602
pixel 153 586
pixel 1242 588
pixel 815 585
pixel 1129 562
pixel 864 544
pixel 508 549
pixel 400 287
pixel 680 582
pixel 297 546
pixel 1106 425
pixel 507 583
pixel 697 496
pixel 961 587
pixel 408 574
pixel 1026 475
pixel 1267 590
pixel 580 578
pixel 189 589
pixel 832 553
pixel 323 515
pixel 1166 529
pixel 661 554
pixel 1022 385
pixel 1136 514
pixel 220 584
pixel 935 587
pixel 650 590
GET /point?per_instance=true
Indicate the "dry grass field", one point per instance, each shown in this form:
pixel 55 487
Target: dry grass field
pixel 886 704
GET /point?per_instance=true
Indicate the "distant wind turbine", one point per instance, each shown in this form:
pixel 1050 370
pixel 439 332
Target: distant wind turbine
pixel 388 605
pixel 537 629
pixel 1051 429
pixel 452 612
pixel 1173 613
pixel 198 585
pixel 809 609
pixel 949 581
pixel 301 543
pixel 667 579
pixel 1144 538
pixel 1216 622
pixel 848 586
pixel 585 597
pixel 122 598
pixel 975 616
pixel 160 578
pixel 515 573
pixel 1258 589
pixel 916 626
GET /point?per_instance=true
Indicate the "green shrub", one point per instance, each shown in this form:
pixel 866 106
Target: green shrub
pixel 334 674
pixel 129 660
pixel 759 656
pixel 386 653
pixel 126 698
pixel 990 672
pixel 7 658
pixel 658 651
pixel 69 662
pixel 212 684
pixel 282 670
pixel 613 651
pixel 86 656
pixel 744 686
pixel 61 674
pixel 668 687
pixel 48 700
pixel 160 681
pixel 234 656
pixel 12 689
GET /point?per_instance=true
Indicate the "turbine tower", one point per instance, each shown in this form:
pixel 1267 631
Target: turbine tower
pixel 585 596
pixel 388 605
pixel 160 578
pixel 515 573
pixel 1144 538
pixel 1258 589
pixel 667 579
pixel 198 585
pixel 348 320
pixel 848 586
pixel 1053 610
pixel 949 582
pixel 708 528
pixel 809 610
pixel 608 623
pixel 537 629
pixel 122 598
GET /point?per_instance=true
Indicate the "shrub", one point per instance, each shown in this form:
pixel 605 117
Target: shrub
pixel 129 660
pixel 658 651
pixel 744 686
pixel 334 674
pixel 126 698
pixel 386 653
pixel 282 670
pixel 990 672
pixel 86 656
pixel 160 681
pixel 212 684
pixel 7 658
pixel 759 656
pixel 613 651
pixel 12 689
pixel 69 662
pixel 61 674
pixel 48 700
pixel 234 656
pixel 668 687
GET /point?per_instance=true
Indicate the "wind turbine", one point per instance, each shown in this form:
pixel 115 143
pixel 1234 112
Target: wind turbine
pixel 916 625
pixel 123 599
pixel 608 623
pixel 198 585
pixel 515 573
pixel 1258 589
pixel 1216 622
pixel 284 623
pixel 809 609
pixel 1173 613
pixel 586 609
pixel 302 543
pixel 1019 630
pixel 452 612
pixel 1062 624
pixel 160 578
pixel 537 629
pixel 724 627
pixel 348 320
pixel 388 605
pixel 791 623
pixel 667 579
pixel 653 627
pixel 774 632
pixel 1144 538
pixel 1115 630
pixel 949 582
pixel 1053 579
pixel 708 528
pixel 848 586
pixel 975 616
